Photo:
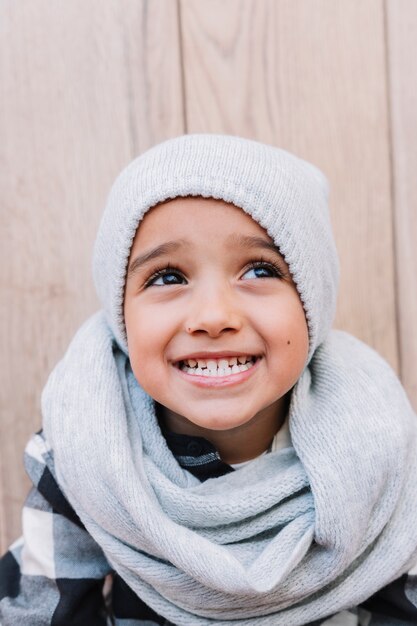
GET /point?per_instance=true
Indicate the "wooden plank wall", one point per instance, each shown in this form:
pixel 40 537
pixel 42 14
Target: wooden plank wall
pixel 85 85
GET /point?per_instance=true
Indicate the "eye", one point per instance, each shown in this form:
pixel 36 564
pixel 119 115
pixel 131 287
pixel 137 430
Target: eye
pixel 262 269
pixel 165 277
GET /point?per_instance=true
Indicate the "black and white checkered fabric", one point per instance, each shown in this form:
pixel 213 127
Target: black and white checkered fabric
pixel 57 574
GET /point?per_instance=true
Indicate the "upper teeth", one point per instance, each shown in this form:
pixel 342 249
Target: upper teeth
pixel 213 364
pixel 222 367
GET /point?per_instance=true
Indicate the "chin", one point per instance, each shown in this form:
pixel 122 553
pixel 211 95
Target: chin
pixel 219 423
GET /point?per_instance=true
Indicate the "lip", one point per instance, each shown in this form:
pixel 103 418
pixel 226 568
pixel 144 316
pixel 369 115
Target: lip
pixel 219 381
pixel 224 354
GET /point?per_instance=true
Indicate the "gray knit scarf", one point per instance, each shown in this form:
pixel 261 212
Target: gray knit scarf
pixel 291 537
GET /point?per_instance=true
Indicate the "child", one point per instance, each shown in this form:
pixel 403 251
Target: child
pixel 208 443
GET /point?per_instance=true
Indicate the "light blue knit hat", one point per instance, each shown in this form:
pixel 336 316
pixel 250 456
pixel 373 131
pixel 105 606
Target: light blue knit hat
pixel 284 194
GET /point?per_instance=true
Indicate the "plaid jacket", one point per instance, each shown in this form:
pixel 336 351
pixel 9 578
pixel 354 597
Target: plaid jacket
pixel 57 574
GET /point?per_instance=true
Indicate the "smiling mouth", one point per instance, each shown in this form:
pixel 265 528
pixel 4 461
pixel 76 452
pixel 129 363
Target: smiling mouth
pixel 225 366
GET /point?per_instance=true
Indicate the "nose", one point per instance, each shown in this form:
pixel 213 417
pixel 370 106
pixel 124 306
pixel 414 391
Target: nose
pixel 213 310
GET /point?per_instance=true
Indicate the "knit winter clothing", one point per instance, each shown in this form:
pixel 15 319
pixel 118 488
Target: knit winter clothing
pixel 295 536
pixel 68 588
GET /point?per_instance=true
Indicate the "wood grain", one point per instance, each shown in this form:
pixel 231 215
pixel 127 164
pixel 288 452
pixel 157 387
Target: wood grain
pixel 309 77
pixel 402 57
pixel 84 86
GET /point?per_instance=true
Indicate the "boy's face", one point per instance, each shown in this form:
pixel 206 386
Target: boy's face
pixel 211 287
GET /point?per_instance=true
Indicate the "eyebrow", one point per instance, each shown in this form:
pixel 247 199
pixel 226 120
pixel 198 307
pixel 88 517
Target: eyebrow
pixel 240 241
pixel 251 241
pixel 155 253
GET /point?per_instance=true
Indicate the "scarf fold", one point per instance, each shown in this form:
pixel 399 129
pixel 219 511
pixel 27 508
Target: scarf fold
pixel 297 534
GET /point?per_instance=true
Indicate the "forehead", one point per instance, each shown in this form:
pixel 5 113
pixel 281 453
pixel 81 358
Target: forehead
pixel 195 218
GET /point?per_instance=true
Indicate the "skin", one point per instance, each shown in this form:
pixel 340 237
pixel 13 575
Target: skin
pixel 212 300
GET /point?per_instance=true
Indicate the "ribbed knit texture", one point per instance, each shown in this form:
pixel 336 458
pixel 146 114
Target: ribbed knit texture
pixel 294 536
pixel 298 534
pixel 284 194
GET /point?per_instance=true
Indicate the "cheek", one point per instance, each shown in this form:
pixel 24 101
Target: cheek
pixel 285 330
pixel 150 331
pixel 144 325
pixel 298 333
pixel 146 338
pixel 146 361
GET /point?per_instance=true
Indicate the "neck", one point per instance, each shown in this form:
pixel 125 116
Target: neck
pixel 236 445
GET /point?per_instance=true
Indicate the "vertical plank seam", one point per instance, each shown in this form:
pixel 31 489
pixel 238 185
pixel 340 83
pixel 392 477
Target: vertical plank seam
pixel 392 191
pixel 133 130
pixel 182 67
